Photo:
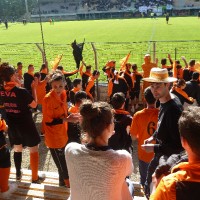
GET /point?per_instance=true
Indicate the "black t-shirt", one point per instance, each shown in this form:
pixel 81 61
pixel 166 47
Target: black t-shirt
pixel 121 140
pixel 167 134
pixel 16 103
pixel 138 78
pixel 28 79
pixel 187 74
pixel 120 86
pixel 85 79
pixel 2 139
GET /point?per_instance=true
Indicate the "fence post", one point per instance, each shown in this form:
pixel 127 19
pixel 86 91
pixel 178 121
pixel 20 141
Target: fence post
pixel 175 52
pixel 154 51
pixel 96 67
pixel 42 52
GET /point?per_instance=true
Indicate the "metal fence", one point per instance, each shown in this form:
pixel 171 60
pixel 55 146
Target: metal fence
pixel 97 54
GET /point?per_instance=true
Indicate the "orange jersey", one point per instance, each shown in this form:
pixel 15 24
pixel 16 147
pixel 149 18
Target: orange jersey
pixel 90 88
pixel 167 186
pixel 41 91
pixel 146 67
pixel 55 108
pixel 143 125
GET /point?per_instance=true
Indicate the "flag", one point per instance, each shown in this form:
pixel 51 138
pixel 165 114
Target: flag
pixel 55 63
pixel 123 61
pixel 77 52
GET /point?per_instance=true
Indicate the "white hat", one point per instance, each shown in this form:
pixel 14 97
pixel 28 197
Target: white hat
pixel 159 75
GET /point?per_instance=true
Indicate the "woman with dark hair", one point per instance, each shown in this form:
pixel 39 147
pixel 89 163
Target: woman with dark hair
pixel 17 102
pixel 95 170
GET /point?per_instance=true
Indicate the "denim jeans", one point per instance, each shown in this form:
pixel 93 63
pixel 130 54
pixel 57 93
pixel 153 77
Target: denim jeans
pixel 151 169
pixel 143 167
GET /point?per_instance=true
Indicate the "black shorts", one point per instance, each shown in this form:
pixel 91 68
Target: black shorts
pixel 5 157
pixel 24 133
pixel 134 94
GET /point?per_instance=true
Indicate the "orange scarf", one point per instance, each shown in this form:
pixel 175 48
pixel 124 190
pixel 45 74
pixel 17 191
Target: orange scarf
pixel 75 90
pixel 182 93
pixel 9 85
pixel 44 71
pixel 19 71
pixel 120 111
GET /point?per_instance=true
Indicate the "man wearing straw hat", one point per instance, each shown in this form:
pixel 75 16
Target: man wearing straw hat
pixel 167 135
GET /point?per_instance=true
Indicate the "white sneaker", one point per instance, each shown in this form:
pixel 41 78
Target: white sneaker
pixel 12 188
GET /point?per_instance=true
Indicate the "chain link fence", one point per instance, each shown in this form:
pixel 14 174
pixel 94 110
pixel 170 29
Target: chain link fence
pixel 97 54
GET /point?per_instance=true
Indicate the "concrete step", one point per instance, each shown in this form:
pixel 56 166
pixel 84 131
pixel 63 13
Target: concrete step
pixel 49 189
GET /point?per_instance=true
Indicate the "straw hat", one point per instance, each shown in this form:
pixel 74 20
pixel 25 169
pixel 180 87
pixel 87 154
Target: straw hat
pixel 158 75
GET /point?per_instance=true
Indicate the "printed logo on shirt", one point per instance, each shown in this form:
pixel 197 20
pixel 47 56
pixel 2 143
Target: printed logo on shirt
pixel 7 94
pixel 151 128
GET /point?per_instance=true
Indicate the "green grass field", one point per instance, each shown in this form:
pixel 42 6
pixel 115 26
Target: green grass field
pixel 124 34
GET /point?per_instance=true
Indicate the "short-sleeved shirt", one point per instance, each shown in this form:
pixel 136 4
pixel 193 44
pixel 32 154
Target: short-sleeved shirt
pixel 19 117
pixel 16 103
pixel 28 79
pixel 143 125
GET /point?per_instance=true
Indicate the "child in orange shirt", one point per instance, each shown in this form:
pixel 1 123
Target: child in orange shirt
pixel 143 125
pixel 40 88
pixel 5 188
pixel 55 120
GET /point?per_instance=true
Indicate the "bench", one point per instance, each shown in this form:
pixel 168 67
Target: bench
pixel 49 189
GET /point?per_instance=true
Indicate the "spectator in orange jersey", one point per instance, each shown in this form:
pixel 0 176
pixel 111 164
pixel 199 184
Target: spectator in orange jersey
pixel 74 131
pixel 135 91
pixel 184 180
pixel 40 89
pixel 77 87
pixel 143 126
pixel 90 88
pixel 55 120
pixel 178 90
pixel 85 75
pixel 6 189
pixel 146 67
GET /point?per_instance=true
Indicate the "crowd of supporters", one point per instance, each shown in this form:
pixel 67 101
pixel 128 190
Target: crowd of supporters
pixel 166 90
pixel 153 3
pixel 106 5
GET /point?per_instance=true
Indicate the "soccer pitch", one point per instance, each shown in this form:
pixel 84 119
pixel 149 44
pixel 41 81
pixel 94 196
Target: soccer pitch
pixel 127 31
